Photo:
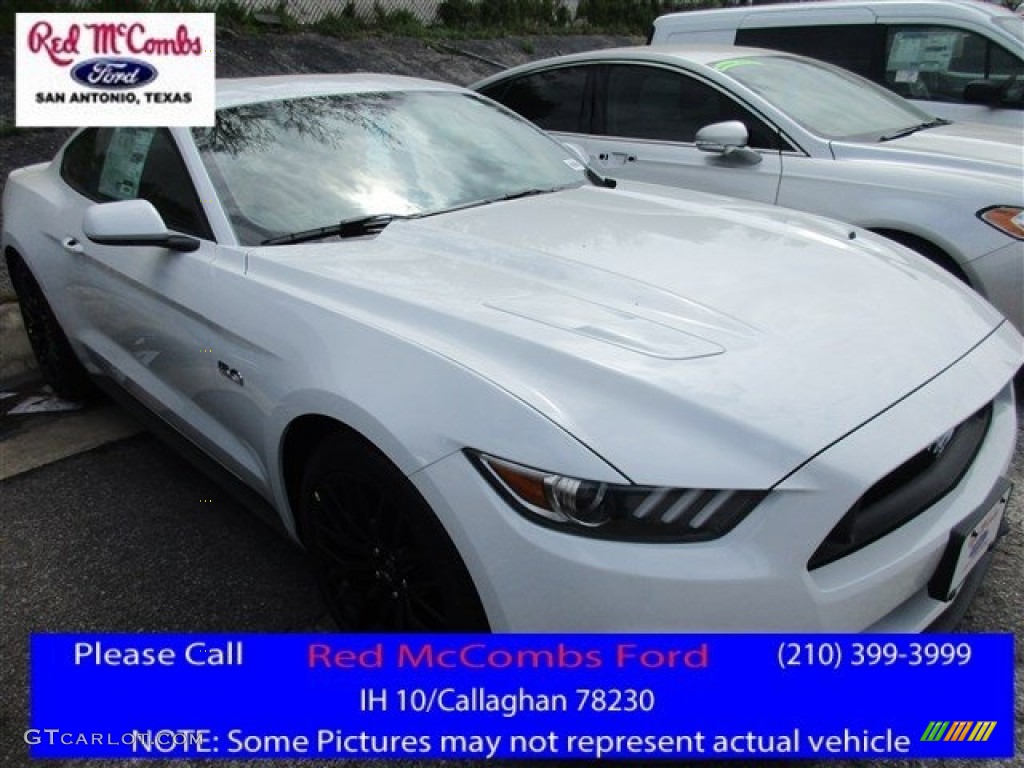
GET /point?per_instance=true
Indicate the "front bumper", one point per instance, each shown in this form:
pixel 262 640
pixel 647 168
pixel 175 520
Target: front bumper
pixel 755 578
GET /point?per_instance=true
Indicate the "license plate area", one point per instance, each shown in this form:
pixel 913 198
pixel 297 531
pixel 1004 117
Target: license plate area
pixel 968 543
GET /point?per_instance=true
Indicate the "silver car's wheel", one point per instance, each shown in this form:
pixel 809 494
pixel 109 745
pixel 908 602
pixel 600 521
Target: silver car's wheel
pixel 57 362
pixel 381 558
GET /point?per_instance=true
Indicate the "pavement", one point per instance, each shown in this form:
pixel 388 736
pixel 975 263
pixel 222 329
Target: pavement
pixel 37 428
pixel 56 435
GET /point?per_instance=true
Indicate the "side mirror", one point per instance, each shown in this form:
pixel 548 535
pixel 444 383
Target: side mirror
pixel 1009 93
pixel 719 137
pixel 983 92
pixel 729 139
pixel 132 222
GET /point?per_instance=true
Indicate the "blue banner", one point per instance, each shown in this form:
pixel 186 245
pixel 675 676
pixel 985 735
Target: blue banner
pixel 521 696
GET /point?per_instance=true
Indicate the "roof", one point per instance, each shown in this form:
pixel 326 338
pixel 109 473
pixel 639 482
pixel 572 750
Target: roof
pixel 251 90
pixel 967 6
pixel 668 53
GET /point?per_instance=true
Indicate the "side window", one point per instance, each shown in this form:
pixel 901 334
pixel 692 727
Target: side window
pixel 652 103
pixel 1002 65
pixel 83 161
pixel 1008 70
pixel 936 63
pixel 166 183
pixel 555 100
pixel 107 164
pixel 851 46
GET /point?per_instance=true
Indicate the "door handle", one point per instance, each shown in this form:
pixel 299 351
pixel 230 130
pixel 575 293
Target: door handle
pixel 616 158
pixel 71 245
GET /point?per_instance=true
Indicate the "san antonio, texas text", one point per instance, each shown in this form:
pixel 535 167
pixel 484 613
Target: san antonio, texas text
pixel 105 97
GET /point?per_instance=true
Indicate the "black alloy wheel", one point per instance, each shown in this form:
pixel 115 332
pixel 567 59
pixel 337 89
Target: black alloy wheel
pixel 381 558
pixel 57 362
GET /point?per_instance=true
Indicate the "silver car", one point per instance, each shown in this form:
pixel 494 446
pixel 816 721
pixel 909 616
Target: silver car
pixel 486 390
pixel 783 129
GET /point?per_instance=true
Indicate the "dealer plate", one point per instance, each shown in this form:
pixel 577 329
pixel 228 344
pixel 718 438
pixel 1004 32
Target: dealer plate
pixel 968 543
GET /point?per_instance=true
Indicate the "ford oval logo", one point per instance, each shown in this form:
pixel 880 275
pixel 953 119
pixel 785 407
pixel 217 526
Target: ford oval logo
pixel 113 74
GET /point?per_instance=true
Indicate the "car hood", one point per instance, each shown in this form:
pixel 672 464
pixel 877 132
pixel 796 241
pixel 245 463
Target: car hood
pixel 669 335
pixel 990 149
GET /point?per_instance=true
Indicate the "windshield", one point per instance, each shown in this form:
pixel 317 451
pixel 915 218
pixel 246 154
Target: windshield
pixel 827 101
pixel 287 166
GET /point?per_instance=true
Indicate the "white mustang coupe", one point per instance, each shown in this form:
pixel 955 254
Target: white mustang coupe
pixel 485 390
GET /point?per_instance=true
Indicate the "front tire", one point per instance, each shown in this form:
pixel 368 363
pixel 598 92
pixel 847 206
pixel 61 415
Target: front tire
pixel 381 558
pixel 57 361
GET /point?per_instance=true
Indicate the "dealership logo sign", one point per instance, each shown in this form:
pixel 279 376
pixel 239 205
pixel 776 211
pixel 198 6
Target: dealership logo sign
pixel 150 69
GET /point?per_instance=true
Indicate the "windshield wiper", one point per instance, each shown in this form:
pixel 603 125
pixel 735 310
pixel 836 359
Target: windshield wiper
pixel 360 226
pixel 915 128
pixel 598 180
pixel 526 193
pixel 592 176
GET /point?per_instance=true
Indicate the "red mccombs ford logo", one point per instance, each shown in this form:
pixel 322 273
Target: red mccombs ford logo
pixel 143 69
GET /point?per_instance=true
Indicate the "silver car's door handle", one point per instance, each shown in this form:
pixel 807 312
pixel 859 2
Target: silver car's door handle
pixel 71 245
pixel 616 158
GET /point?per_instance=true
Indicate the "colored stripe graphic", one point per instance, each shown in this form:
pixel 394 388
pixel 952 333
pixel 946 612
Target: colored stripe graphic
pixel 982 731
pixel 959 730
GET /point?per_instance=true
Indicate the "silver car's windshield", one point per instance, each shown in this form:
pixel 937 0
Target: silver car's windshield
pixel 293 165
pixel 825 100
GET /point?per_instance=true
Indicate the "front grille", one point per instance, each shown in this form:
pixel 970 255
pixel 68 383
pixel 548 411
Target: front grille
pixel 905 492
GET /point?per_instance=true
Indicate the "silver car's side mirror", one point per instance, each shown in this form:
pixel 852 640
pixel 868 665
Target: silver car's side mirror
pixel 729 139
pixel 132 222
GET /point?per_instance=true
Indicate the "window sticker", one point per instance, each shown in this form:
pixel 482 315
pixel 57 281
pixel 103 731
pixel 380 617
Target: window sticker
pixel 905 53
pixel 938 52
pixel 924 51
pixel 906 76
pixel 125 159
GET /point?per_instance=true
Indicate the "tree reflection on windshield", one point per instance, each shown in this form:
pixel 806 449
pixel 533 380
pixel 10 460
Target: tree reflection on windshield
pixel 289 165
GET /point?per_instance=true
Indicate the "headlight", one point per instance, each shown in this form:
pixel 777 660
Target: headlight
pixel 611 511
pixel 1006 218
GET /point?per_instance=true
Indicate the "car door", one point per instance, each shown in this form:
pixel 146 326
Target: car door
pixel 645 125
pixel 152 319
pixel 140 309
